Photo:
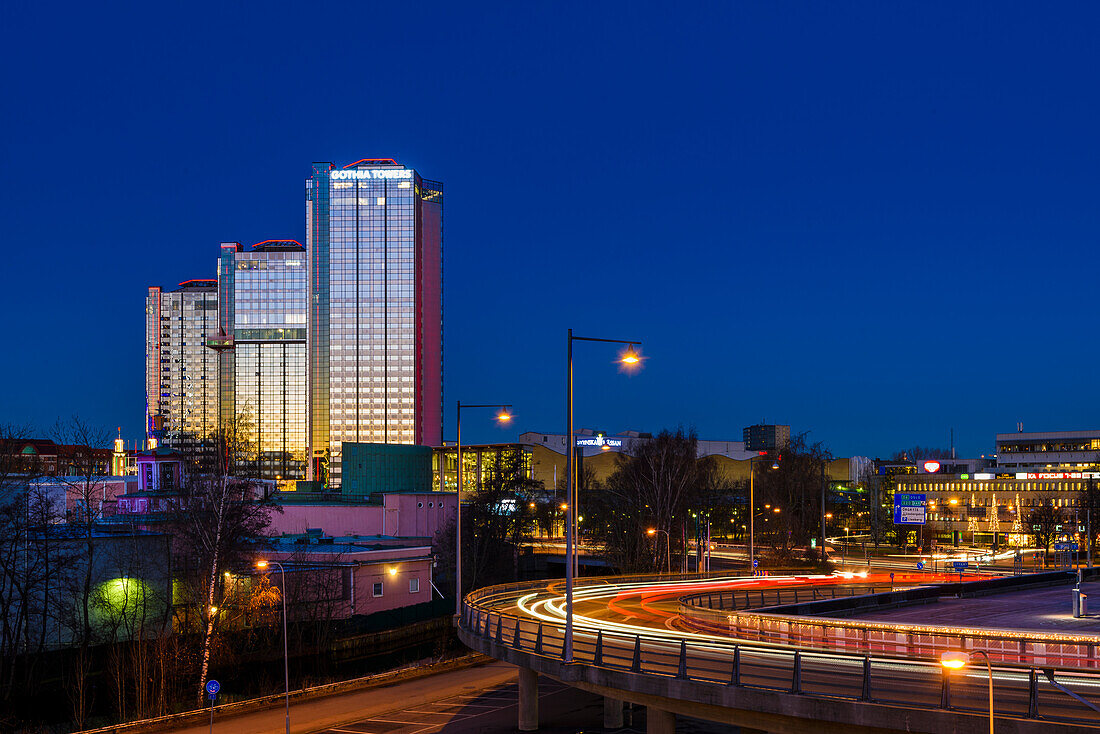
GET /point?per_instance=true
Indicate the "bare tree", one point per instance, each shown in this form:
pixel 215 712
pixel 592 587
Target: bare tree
pixel 794 492
pixel 1044 520
pixel 83 474
pixel 655 487
pixel 214 523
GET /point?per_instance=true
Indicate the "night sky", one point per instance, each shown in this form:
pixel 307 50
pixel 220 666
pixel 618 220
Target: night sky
pixel 873 221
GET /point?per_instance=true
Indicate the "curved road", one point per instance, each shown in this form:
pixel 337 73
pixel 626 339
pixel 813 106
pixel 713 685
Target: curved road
pixel 633 625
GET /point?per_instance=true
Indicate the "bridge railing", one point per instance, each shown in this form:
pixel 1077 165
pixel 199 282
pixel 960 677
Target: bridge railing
pixel 1021 690
pixel 776 626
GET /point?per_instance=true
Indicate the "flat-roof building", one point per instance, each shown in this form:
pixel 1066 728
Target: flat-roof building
pixel 181 374
pixel 261 342
pixel 374 239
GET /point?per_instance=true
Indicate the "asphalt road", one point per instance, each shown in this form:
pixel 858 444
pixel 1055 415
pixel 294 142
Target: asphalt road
pixel 479 700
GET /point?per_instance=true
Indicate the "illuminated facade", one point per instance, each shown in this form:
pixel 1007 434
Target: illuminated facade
pixel 261 341
pixel 977 507
pixel 375 242
pixel 1068 450
pixel 181 374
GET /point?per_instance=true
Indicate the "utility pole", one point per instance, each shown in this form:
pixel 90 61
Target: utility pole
pixel 823 485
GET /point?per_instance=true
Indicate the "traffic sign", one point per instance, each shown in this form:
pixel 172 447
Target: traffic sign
pixel 910 509
pixel 960 565
pixel 212 687
pixel 1066 546
pixel 920 565
pixel 755 562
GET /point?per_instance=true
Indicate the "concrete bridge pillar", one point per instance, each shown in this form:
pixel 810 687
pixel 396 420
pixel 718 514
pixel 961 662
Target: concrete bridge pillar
pixel 612 713
pixel 658 721
pixel 528 700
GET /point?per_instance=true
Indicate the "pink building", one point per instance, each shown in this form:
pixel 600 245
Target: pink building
pixel 351 579
pixel 405 515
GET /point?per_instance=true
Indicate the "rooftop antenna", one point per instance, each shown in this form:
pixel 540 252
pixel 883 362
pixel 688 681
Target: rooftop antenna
pixel 1020 427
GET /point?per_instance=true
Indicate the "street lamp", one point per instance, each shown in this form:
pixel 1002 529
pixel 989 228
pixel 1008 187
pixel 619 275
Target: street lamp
pixel 752 509
pixel 629 359
pixel 262 564
pixel 502 417
pixel 668 554
pixel 958 660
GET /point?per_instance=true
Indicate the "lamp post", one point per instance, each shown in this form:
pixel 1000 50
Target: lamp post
pixel 629 358
pixel 752 509
pixel 502 417
pixel 286 658
pixel 957 660
pixel 668 554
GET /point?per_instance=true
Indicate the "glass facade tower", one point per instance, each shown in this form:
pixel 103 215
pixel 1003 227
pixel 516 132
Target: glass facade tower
pixel 181 374
pixel 375 243
pixel 261 342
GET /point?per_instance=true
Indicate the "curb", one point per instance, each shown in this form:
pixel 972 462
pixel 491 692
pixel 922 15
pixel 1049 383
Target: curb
pixel 237 708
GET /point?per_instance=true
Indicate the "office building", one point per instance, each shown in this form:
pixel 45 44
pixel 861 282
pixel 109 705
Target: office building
pixel 1048 450
pixel 181 374
pixel 261 345
pixel 762 437
pixel 374 233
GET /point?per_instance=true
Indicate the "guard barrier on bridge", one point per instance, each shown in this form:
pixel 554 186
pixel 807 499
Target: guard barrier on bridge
pixel 490 622
pixel 776 626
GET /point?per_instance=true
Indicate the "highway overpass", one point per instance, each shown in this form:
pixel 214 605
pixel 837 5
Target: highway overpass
pixel 631 643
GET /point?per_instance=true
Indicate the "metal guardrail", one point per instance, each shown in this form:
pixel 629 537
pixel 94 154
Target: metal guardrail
pixel 773 626
pixel 1021 691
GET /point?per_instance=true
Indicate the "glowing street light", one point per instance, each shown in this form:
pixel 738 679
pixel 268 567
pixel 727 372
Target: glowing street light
pixel 629 359
pixel 956 660
pixel 668 554
pixel 504 415
pixel 262 564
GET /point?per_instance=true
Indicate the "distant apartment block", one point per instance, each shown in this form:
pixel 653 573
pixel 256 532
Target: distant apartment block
pixel 763 437
pixel 181 374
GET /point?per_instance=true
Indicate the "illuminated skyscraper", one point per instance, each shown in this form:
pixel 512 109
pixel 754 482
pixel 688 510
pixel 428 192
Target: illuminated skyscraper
pixel 181 374
pixel 374 232
pixel 261 338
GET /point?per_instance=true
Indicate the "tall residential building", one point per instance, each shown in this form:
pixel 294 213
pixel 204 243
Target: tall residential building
pixel 766 437
pixel 374 238
pixel 181 374
pixel 261 340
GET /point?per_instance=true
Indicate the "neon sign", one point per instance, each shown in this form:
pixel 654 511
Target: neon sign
pixel 371 173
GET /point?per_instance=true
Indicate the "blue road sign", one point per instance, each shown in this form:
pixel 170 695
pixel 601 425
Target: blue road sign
pixel 910 509
pixel 960 565
pixel 212 687
pixel 920 565
pixel 1065 546
pixel 755 563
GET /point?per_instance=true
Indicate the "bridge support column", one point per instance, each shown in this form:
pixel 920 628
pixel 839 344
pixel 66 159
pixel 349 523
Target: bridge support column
pixel 659 721
pixel 612 713
pixel 528 700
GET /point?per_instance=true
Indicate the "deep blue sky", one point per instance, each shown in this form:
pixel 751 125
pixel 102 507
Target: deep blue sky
pixel 873 221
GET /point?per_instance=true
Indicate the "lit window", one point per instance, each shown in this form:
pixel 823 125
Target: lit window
pixel 381 201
